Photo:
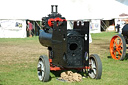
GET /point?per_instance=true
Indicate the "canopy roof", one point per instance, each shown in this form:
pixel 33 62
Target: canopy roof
pixel 71 9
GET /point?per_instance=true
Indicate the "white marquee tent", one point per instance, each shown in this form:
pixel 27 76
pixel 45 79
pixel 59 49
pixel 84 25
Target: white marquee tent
pixel 71 9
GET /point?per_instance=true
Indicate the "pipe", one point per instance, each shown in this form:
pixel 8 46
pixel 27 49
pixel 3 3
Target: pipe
pixel 45 38
pixel 56 8
pixel 52 8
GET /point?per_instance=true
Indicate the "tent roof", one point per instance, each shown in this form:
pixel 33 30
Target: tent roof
pixel 123 14
pixel 71 9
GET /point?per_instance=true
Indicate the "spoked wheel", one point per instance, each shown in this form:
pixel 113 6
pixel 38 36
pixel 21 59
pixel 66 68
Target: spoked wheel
pixel 95 70
pixel 43 69
pixel 118 47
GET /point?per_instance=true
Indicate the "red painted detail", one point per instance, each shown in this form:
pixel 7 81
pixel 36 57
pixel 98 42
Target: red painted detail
pixel 50 60
pixel 55 68
pixel 51 20
pixel 87 67
pixel 58 19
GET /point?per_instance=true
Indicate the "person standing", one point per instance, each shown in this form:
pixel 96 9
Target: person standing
pixel 118 26
pixel 29 28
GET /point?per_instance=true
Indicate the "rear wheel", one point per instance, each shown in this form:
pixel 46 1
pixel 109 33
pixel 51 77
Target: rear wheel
pixel 118 47
pixel 43 69
pixel 95 70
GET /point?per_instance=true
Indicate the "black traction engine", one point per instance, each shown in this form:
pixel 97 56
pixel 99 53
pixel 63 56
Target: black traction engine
pixel 68 48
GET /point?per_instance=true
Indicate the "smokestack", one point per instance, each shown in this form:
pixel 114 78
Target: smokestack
pixel 52 8
pixel 56 8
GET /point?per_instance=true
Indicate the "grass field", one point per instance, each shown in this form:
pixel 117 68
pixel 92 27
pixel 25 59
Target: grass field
pixel 19 58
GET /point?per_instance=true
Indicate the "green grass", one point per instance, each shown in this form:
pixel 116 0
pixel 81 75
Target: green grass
pixel 19 58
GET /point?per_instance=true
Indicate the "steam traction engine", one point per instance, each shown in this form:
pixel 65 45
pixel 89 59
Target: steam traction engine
pixel 118 44
pixel 68 49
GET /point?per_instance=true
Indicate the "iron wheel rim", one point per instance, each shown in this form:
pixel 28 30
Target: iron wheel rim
pixel 40 70
pixel 116 47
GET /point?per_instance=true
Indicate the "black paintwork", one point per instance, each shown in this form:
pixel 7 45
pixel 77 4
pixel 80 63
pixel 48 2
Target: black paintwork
pixel 67 48
pixel 125 32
